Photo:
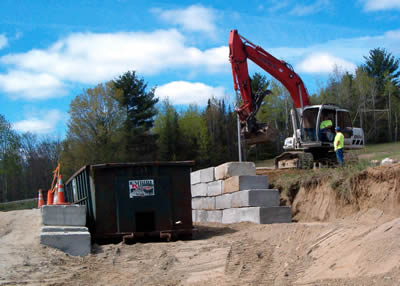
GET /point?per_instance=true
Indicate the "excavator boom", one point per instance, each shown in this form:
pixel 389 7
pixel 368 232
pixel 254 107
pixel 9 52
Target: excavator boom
pixel 240 50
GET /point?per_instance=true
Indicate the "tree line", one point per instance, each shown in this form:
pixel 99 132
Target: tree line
pixel 123 121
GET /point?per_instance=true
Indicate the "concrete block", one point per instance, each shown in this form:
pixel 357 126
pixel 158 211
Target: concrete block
pixel 239 183
pixel 208 203
pixel 72 215
pixel 255 198
pixel 199 216
pixel 223 201
pixel 259 215
pixel 203 203
pixel 214 216
pixel 231 169
pixel 199 190
pixel 207 175
pixel 75 243
pixel 215 188
pixel 196 203
pixel 195 177
pixel 275 215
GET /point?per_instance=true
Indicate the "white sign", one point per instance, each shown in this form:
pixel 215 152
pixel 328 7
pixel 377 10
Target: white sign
pixel 141 188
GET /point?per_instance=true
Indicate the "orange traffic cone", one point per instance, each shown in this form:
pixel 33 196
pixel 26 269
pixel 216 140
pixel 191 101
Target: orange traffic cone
pixel 55 193
pixel 60 195
pixel 50 197
pixel 41 200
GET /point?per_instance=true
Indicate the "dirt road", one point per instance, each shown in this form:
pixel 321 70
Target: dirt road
pixel 332 244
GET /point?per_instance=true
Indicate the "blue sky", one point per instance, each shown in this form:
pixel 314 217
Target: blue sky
pixel 51 50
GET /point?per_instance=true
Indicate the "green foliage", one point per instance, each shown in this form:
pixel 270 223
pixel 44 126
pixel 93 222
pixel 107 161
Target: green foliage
pixel 379 64
pixel 167 128
pixel 94 129
pixel 195 140
pixel 10 164
pixel 139 104
pixel 13 206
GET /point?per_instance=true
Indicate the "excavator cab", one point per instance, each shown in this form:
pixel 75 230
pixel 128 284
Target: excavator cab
pixel 319 122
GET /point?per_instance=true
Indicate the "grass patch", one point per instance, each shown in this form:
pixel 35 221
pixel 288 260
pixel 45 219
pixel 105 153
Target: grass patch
pixel 339 179
pixel 380 151
pixel 12 206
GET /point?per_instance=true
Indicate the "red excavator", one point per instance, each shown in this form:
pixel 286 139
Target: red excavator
pixel 310 145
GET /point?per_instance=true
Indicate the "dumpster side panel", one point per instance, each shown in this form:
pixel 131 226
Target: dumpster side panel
pixel 181 198
pixel 106 220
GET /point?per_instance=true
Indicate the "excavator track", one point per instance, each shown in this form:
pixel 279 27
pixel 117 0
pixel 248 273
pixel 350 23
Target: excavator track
pixel 294 160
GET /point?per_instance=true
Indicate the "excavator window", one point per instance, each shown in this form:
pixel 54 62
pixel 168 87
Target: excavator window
pixel 326 126
pixel 344 122
pixel 309 124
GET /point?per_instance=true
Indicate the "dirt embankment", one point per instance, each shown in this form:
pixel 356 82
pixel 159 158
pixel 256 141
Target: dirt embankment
pixel 371 196
pixel 346 238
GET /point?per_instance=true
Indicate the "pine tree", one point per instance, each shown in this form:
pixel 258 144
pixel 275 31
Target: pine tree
pixel 131 92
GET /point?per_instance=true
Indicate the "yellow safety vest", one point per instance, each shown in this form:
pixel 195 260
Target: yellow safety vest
pixel 325 123
pixel 338 138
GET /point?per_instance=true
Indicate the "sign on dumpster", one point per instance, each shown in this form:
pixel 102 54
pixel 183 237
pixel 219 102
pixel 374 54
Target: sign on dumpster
pixel 141 188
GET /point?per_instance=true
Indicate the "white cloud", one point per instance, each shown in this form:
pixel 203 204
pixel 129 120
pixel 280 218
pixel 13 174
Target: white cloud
pixel 302 10
pixel 90 58
pixel 194 18
pixel 3 41
pixel 298 9
pixel 378 5
pixel 31 85
pixel 324 63
pixel 343 52
pixel 39 124
pixel 277 5
pixel 183 92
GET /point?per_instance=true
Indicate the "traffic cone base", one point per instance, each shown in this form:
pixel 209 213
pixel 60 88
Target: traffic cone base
pixel 50 197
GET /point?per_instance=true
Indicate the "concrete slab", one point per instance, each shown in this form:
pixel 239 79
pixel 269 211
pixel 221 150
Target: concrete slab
pixel 195 177
pixel 65 215
pixel 239 183
pixel 74 243
pixel 63 229
pixel 207 175
pixel 215 188
pixel 199 190
pixel 231 169
pixel 255 198
pixel 258 215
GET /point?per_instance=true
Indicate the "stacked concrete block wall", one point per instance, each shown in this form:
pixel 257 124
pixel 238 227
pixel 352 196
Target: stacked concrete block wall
pixel 64 229
pixel 232 193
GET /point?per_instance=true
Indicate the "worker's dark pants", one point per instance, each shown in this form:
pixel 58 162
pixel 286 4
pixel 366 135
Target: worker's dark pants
pixel 339 156
pixel 325 134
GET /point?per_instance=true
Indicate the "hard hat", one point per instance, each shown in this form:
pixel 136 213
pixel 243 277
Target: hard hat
pixel 337 128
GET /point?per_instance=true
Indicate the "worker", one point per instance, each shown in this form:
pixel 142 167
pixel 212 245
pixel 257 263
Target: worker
pixel 324 129
pixel 338 144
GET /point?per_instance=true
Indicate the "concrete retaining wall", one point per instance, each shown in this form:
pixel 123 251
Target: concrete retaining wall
pixel 234 195
pixel 64 229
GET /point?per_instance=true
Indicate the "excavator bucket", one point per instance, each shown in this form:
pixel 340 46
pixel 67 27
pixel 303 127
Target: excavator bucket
pixel 264 134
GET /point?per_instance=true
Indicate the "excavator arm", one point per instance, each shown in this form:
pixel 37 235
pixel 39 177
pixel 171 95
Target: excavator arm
pixel 241 49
